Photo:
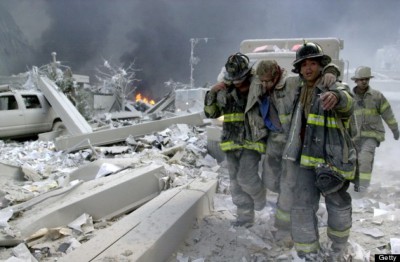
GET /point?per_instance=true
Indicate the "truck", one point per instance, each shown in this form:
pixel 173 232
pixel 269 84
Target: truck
pixel 284 52
pixel 25 113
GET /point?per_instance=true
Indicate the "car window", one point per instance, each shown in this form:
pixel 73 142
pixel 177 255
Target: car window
pixel 8 103
pixel 31 101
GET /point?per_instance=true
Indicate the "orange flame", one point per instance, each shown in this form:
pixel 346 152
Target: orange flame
pixel 139 98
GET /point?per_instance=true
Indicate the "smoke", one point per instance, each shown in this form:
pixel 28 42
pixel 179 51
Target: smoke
pixel 155 34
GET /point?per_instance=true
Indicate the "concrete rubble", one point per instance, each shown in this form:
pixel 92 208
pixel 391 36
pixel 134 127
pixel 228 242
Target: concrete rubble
pixel 51 207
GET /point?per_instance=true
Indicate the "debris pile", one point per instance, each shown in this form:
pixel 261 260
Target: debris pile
pixel 180 150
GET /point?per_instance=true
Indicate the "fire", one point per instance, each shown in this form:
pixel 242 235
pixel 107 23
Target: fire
pixel 139 98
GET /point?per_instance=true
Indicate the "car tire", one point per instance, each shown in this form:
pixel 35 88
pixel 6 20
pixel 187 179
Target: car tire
pixel 58 126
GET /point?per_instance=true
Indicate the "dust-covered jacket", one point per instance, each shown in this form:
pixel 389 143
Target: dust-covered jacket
pixel 237 132
pixel 282 98
pixel 369 110
pixel 319 125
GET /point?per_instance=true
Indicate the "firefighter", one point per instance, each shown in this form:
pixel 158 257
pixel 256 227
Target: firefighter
pixel 243 136
pixel 370 107
pixel 276 96
pixel 318 140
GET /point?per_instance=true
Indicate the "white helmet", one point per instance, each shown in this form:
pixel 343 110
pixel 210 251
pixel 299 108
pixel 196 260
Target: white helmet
pixel 362 72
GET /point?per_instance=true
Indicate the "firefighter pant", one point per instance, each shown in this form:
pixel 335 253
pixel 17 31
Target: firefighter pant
pixel 366 153
pixel 245 184
pixel 285 198
pixel 304 222
pixel 272 165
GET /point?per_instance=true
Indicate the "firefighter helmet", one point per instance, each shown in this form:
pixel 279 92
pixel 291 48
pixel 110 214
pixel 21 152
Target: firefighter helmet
pixel 362 72
pixel 237 67
pixel 309 50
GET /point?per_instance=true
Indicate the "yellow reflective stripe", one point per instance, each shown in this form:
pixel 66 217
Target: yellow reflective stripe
pixel 230 145
pixel 337 233
pixel 309 161
pixel 392 121
pixel 384 106
pixel 318 120
pixel 211 109
pixel 373 134
pixel 307 248
pixel 284 118
pixel 346 123
pixel 282 215
pixel 367 112
pixel 365 176
pixel 348 105
pixel 236 117
pixel 349 175
pixel 257 146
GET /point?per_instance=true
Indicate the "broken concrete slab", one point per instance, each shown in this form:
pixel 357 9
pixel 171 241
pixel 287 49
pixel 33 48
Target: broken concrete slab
pixel 102 198
pixel 72 119
pixel 125 115
pixel 27 204
pixel 89 171
pixel 49 136
pixel 153 231
pixel 110 136
pixel 10 172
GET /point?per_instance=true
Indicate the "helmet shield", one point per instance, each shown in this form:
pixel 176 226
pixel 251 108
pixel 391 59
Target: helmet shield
pixel 310 50
pixel 237 67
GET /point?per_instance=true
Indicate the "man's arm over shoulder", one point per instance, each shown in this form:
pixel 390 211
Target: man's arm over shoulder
pixel 211 108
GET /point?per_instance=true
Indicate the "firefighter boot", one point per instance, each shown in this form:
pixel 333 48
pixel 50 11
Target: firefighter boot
pixel 283 238
pixel 337 252
pixel 245 218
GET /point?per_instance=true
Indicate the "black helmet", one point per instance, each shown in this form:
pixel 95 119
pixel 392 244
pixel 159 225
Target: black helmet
pixel 237 67
pixel 309 50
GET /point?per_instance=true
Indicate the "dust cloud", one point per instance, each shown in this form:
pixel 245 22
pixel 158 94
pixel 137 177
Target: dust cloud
pixel 155 34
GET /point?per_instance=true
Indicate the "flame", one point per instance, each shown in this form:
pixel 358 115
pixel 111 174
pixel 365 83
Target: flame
pixel 139 98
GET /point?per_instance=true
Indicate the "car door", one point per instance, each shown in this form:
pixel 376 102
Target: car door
pixel 12 119
pixel 36 114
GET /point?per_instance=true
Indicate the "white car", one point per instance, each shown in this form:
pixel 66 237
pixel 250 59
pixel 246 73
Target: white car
pixel 25 113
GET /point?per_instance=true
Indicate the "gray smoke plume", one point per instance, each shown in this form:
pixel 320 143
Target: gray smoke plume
pixel 155 34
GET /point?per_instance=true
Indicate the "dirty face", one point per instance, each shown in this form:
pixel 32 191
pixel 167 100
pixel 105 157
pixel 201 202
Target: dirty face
pixel 267 82
pixel 362 83
pixel 311 70
pixel 242 85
